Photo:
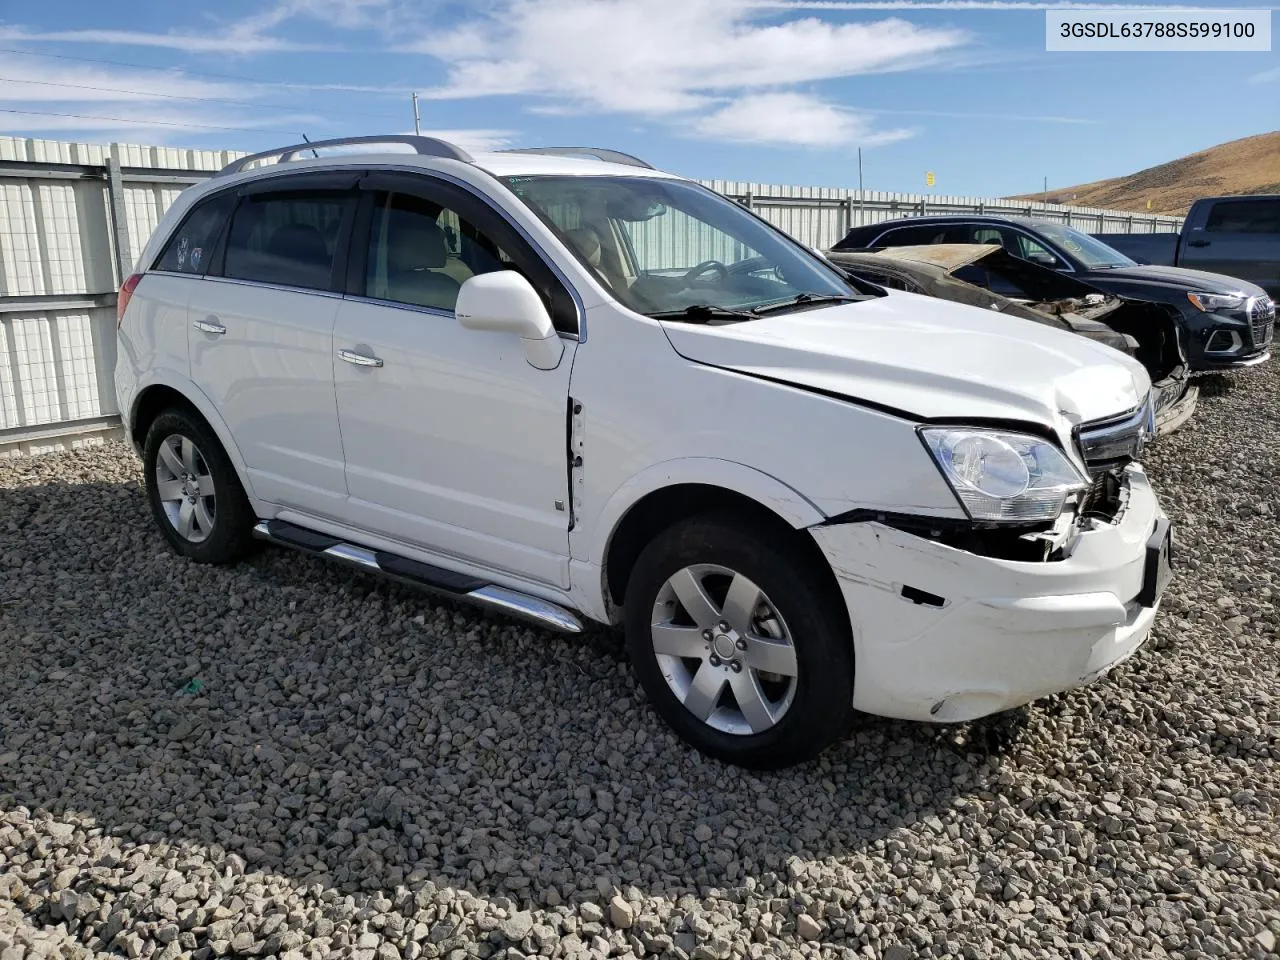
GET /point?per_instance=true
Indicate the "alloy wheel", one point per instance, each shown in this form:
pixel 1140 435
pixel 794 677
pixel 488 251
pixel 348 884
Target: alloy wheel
pixel 185 487
pixel 724 649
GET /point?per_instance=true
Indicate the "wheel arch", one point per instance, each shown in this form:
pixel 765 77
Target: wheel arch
pixel 675 491
pixel 161 395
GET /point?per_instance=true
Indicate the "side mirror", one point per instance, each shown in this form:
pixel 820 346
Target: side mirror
pixel 505 302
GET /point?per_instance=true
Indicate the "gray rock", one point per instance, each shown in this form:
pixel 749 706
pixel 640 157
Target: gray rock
pixel 808 928
pixel 517 926
pixel 621 913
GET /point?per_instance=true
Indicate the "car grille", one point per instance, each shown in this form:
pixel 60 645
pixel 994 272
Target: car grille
pixel 1112 442
pixel 1262 318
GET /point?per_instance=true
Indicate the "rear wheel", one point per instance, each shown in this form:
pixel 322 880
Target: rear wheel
pixel 195 494
pixel 738 643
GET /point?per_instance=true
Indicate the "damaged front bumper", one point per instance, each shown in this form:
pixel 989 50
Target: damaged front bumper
pixel 946 635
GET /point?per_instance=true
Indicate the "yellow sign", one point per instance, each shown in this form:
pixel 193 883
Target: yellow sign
pixel 1148 203
pixel 928 178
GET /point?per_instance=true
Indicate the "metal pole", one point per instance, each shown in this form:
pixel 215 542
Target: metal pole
pixel 861 218
pixel 1046 189
pixel 417 123
pixel 119 218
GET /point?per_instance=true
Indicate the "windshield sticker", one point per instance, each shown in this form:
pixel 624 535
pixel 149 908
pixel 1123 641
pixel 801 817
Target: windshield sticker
pixel 182 252
pixel 195 257
pixel 1072 245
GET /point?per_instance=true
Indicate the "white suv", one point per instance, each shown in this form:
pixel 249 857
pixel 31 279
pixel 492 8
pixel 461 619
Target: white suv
pixel 567 386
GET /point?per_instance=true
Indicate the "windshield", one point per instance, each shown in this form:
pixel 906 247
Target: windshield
pixel 1094 254
pixel 665 246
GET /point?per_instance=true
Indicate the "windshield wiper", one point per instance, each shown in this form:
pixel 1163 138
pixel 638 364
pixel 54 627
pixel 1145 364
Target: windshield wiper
pixel 702 312
pixel 804 300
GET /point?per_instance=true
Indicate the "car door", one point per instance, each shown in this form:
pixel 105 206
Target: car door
pixel 262 336
pixel 1239 238
pixel 453 442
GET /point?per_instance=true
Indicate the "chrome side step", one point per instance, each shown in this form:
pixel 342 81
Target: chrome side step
pixel 447 582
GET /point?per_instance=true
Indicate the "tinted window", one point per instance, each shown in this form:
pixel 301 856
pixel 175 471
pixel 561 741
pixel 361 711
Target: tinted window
pixel 916 236
pixel 424 245
pixel 1016 243
pixel 1244 216
pixel 1029 249
pixel 285 238
pixel 190 247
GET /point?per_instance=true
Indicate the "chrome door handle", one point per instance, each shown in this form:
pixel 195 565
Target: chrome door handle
pixel 359 359
pixel 209 326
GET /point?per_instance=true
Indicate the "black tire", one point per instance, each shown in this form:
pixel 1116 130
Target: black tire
pixel 821 704
pixel 229 535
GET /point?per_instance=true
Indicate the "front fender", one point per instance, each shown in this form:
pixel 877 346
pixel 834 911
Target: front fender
pixel 766 490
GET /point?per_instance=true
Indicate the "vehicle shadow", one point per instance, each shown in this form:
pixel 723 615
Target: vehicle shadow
pixel 337 729
pixel 1215 384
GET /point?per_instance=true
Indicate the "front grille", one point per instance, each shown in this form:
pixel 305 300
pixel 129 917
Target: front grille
pixel 1262 319
pixel 1112 442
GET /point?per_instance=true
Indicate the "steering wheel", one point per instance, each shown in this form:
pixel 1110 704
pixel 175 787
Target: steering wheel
pixel 706 266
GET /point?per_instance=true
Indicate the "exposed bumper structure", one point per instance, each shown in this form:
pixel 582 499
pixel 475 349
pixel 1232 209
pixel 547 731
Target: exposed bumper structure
pixel 1007 632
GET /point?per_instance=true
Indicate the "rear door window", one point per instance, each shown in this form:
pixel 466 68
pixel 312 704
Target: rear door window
pixel 191 246
pixel 287 238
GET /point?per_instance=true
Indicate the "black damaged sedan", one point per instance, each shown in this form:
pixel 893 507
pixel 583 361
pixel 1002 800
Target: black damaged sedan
pixel 1221 322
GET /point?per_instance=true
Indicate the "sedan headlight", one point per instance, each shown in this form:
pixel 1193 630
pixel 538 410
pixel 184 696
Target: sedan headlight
pixel 1000 476
pixel 1213 302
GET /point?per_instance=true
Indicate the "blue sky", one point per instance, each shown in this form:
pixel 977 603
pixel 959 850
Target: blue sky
pixel 779 92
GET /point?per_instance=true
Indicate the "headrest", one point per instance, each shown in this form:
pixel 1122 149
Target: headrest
pixel 588 243
pixel 414 243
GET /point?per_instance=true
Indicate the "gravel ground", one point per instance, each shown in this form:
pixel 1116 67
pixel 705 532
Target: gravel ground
pixel 288 758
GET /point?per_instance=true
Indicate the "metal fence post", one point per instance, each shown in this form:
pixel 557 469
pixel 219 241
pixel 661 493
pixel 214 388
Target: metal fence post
pixel 119 220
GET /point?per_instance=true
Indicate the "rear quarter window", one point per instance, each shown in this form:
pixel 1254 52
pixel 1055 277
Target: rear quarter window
pixel 191 245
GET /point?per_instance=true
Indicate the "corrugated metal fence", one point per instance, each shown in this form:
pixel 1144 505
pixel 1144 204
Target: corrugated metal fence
pixel 74 217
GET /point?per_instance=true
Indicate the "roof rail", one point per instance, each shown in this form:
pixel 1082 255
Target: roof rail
pixel 610 156
pixel 423 146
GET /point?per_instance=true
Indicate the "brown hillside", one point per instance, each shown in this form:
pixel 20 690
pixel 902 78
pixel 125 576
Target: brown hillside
pixel 1251 165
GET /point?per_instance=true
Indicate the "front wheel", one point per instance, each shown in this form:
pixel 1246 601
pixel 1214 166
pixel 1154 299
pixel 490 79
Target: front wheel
pixel 739 644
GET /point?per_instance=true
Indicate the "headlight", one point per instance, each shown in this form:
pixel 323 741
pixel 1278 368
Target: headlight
pixel 1212 302
pixel 1010 477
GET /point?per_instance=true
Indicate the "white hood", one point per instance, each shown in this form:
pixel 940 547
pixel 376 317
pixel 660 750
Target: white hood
pixel 928 358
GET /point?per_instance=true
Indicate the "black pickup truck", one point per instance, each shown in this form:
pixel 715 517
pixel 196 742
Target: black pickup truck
pixel 1238 236
pixel 1214 321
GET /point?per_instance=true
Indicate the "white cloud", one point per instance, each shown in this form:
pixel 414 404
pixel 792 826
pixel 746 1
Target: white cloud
pixel 794 119
pixel 651 56
pixel 246 36
pixel 960 5
pixel 687 61
pixel 35 81
pixel 154 124
pixel 1266 76
pixel 186 42
pixel 473 140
